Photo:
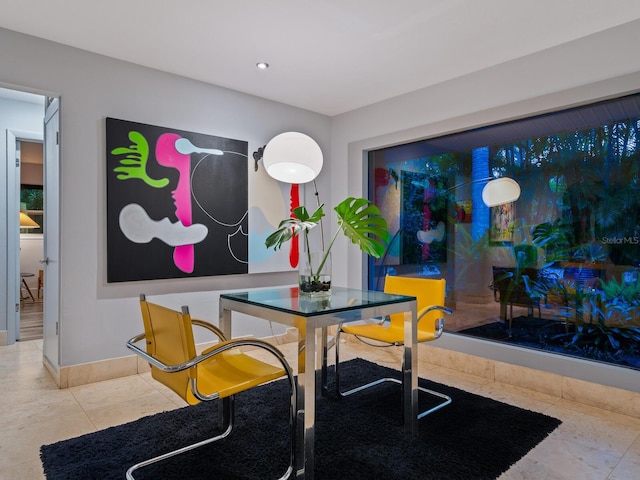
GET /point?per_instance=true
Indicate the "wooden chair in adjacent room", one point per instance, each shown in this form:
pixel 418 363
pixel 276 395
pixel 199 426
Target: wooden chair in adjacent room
pixel 430 295
pixel 218 373
pixel 513 286
pixel 40 283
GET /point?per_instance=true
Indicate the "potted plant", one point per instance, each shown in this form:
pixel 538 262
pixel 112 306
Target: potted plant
pixel 358 219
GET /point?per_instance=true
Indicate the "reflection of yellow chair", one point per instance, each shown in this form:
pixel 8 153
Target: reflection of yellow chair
pixel 218 372
pixel 430 295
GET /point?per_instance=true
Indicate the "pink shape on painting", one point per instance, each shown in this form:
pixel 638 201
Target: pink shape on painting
pixel 168 156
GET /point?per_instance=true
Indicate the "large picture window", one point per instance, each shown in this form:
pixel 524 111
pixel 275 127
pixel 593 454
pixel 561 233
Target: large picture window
pixel 555 270
pixel 32 203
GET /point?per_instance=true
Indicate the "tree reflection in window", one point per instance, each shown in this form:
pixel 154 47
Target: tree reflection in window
pixel 32 203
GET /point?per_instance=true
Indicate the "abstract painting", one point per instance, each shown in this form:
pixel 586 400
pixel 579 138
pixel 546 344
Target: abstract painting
pixel 423 218
pixel 177 203
pixel 502 223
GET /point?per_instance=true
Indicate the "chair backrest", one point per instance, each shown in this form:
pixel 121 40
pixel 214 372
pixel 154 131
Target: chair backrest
pixel 526 255
pixel 169 338
pixel 428 292
pixel 512 285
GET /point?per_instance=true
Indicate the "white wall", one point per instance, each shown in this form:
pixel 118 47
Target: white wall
pixel 596 67
pixel 96 318
pixel 31 173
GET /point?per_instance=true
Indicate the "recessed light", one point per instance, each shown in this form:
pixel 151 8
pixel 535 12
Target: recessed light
pixel 262 65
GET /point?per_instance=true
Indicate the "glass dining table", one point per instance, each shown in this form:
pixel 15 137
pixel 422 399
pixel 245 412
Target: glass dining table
pixel 312 317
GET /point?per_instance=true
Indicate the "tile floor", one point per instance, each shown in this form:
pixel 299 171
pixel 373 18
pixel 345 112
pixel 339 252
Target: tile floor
pixel 591 444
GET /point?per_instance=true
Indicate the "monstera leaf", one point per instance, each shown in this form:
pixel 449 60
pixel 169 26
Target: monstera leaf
pixel 362 223
pixel 358 219
pixel 299 222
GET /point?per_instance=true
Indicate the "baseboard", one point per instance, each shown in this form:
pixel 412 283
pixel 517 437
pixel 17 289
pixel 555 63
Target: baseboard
pixel 3 338
pixel 85 373
pixel 55 374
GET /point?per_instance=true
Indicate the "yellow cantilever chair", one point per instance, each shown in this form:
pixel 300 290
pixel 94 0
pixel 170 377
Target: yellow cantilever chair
pixel 430 294
pixel 218 372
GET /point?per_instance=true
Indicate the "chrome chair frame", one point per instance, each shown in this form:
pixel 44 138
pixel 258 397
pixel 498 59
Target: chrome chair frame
pixel 439 328
pixel 227 417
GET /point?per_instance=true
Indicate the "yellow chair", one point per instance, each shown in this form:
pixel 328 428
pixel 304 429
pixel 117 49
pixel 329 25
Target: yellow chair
pixel 430 295
pixel 218 372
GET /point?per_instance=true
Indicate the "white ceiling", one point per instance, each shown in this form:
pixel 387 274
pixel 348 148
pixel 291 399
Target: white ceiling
pixel 327 56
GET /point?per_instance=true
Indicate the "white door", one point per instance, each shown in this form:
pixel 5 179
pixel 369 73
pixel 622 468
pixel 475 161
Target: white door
pixel 51 260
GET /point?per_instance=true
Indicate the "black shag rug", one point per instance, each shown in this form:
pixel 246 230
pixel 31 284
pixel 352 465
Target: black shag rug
pixel 357 438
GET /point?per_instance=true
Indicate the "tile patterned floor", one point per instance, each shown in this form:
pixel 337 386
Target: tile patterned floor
pixel 591 444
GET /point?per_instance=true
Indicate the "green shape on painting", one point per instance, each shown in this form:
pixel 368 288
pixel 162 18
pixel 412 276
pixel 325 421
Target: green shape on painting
pixel 134 164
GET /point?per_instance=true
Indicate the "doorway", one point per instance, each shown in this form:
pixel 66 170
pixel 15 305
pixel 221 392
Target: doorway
pixel 31 160
pixel 29 121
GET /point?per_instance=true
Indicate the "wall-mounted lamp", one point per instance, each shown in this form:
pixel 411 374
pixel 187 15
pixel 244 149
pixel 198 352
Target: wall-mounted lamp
pixel 291 157
pixel 27 222
pixel 257 156
pixel 497 191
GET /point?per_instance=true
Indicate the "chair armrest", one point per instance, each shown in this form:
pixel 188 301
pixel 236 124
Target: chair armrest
pixel 131 345
pixel 206 355
pixel 381 320
pixel 439 322
pixel 431 308
pixel 209 326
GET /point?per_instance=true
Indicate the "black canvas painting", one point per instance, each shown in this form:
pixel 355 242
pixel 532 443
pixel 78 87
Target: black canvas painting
pixel 176 203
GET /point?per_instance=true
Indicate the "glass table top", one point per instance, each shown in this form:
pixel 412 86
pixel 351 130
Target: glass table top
pixel 287 299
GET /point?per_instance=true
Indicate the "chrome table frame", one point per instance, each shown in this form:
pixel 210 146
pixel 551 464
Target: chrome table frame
pixel 311 318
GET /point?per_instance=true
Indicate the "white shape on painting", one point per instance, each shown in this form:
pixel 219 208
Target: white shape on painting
pixel 435 235
pixel 138 227
pixel 185 147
